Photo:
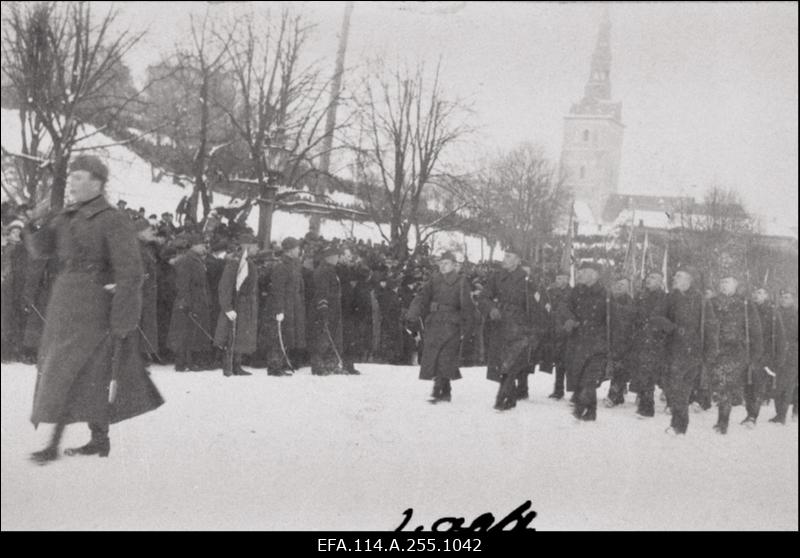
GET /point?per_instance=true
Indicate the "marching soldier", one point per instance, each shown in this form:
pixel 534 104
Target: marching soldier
pixel 557 295
pixel 237 323
pixel 620 304
pixel 584 318
pixel 760 392
pixel 648 354
pixel 692 339
pixel 506 300
pixel 285 326
pixel 740 348
pixel 786 366
pixel 188 330
pixel 89 368
pixel 326 357
pixel 445 306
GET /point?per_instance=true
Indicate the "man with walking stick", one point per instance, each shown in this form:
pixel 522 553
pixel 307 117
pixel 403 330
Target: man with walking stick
pixel 327 333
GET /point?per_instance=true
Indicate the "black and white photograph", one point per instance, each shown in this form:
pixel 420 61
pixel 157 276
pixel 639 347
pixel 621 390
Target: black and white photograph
pixel 400 268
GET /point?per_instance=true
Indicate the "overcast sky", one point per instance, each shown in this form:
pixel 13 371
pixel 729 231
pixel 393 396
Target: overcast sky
pixel 709 90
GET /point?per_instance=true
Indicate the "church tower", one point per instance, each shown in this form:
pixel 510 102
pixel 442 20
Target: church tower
pixel 592 146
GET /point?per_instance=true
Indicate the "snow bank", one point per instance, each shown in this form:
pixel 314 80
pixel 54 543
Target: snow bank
pixel 353 452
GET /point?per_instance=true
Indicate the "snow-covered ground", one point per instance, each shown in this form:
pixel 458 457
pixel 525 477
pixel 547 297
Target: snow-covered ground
pixel 354 452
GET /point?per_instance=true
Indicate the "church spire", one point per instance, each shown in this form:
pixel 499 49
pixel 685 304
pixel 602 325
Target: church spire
pixel 599 85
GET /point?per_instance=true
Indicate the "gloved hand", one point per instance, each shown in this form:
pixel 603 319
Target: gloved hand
pixel 494 314
pixel 231 314
pixel 279 317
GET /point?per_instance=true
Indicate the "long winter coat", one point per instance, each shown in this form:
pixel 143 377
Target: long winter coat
pixel 587 348
pixel 286 296
pixel 85 322
pixel 786 380
pixel 648 355
pixel 39 278
pixel 327 311
pixel 191 301
pixel 445 305
pixel 149 320
pixel 244 302
pixel 514 335
pixel 737 320
pixel 687 347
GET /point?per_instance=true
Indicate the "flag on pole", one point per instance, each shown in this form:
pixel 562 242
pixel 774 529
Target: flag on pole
pixel 243 271
pixel 664 267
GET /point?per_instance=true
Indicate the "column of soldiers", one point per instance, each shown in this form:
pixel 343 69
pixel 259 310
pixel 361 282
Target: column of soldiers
pixel 215 300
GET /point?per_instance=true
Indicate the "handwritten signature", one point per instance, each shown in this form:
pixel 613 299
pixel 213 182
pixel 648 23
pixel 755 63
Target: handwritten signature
pixel 482 523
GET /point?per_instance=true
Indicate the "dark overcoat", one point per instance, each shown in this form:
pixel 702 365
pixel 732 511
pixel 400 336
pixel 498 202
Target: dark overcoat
pixel 445 305
pixel 738 321
pixel 786 373
pixel 513 336
pixel 648 355
pixel 149 321
pixel 96 246
pixel 39 278
pixel 327 311
pixel 587 348
pixel 191 301
pixel 244 302
pixel 687 347
pixel 286 296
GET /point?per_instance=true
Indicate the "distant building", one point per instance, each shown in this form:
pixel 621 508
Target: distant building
pixel 592 145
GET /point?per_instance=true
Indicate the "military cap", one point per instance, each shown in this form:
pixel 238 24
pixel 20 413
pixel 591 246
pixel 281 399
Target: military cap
pixel 329 251
pixel 91 164
pixel 448 255
pixel 289 243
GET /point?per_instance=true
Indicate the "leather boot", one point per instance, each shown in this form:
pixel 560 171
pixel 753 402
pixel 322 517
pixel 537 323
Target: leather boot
pixel 50 453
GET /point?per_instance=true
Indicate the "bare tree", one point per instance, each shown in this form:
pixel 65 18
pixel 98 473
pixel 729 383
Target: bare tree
pixel 278 111
pixel 64 63
pixel 522 198
pixel 405 124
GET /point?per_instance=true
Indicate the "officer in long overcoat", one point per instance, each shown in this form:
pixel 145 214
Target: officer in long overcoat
pixel 285 310
pixel 620 321
pixel 326 330
pixel 89 367
pixel 190 324
pixel 445 306
pixel 237 322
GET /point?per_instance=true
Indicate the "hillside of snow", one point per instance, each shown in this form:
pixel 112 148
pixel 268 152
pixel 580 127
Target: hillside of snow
pixel 354 452
pixel 131 179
